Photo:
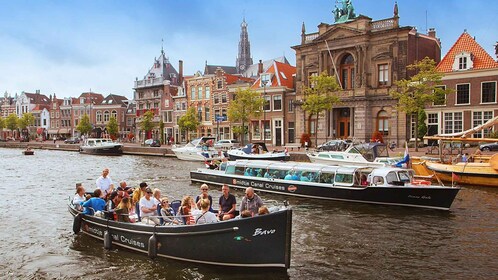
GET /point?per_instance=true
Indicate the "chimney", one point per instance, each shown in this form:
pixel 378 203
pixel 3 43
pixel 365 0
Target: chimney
pixel 260 67
pixel 180 72
pixel 432 32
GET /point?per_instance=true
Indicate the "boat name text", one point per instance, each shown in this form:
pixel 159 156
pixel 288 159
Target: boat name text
pixel 260 231
pixel 261 185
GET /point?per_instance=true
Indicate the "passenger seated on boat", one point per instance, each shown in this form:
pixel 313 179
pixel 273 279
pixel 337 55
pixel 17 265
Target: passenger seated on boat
pixel 114 200
pixel 267 174
pixel 156 194
pixel 94 204
pixel 79 197
pixel 204 195
pixel 251 202
pixel 304 177
pixel 255 149
pixel 248 172
pixel 204 216
pixel 289 175
pixel 184 214
pixel 148 208
pixel 223 164
pixel 167 212
pixel 245 214
pixel 227 204
pixel 123 210
pixel 363 180
pixel 263 210
pixel 260 173
pixel 124 189
pixel 139 192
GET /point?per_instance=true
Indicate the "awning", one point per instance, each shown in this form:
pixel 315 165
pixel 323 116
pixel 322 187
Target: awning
pixel 53 131
pixel 64 130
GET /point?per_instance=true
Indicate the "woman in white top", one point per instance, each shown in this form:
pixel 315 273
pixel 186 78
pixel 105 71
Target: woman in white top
pixel 79 197
pixel 204 216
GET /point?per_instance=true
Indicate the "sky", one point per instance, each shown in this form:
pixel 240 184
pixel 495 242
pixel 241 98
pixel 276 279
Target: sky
pixel 67 47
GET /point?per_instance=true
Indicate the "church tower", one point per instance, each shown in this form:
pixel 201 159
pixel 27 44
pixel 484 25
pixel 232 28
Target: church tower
pixel 244 60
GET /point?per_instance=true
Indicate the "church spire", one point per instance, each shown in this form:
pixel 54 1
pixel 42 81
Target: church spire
pixel 244 59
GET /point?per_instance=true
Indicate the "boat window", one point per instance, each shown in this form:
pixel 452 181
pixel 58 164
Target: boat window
pixel 239 170
pixel 337 156
pixel 230 169
pixel 277 174
pixel 404 176
pixel 344 178
pixel 391 177
pixel 354 150
pixel 323 156
pixel 378 180
pixel 327 178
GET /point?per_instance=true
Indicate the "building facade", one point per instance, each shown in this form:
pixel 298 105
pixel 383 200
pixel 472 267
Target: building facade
pixel 472 74
pixel 366 56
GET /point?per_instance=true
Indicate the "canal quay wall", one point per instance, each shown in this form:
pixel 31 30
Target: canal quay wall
pixel 128 149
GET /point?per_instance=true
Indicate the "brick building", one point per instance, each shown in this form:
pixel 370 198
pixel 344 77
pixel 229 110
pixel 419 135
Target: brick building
pixel 473 75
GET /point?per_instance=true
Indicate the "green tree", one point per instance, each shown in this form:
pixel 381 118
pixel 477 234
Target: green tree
pixel 422 127
pixel 11 122
pixel 421 89
pixel 147 123
pixel 2 126
pixel 113 128
pixel 189 121
pixel 246 105
pixel 25 122
pixel 321 95
pixel 84 127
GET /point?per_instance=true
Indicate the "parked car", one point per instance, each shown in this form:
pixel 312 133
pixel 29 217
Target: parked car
pixel 152 143
pixel 227 144
pixel 72 140
pixel 333 145
pixel 489 147
pixel 155 143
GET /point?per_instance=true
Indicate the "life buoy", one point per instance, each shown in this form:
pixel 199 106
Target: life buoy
pixel 421 182
pixel 77 223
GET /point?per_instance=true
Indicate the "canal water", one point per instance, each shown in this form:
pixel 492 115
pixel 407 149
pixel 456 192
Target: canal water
pixel 331 240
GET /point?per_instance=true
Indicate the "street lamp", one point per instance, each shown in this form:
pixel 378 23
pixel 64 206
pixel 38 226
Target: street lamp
pixel 264 81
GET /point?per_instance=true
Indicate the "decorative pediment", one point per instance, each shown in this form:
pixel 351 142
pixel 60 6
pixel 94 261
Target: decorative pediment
pixel 382 56
pixel 339 32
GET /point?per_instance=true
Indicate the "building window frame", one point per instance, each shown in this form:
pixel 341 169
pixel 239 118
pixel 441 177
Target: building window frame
pixel 479 118
pixel 462 94
pixel 491 93
pixel 277 102
pixel 383 74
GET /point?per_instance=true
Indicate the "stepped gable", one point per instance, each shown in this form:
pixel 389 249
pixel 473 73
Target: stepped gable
pixel 465 43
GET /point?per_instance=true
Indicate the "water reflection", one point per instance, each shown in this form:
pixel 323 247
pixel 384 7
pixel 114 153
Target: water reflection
pixel 330 239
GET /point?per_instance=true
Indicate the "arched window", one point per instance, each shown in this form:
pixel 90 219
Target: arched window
pixel 99 116
pixel 347 72
pixel 114 114
pixel 106 116
pixel 383 122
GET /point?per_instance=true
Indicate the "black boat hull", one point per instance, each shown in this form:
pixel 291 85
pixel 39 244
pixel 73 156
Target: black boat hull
pixel 107 151
pixel 258 242
pixel 433 197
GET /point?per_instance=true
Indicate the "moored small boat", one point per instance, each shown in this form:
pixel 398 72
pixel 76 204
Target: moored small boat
pixel 101 146
pixel 257 242
pixel 475 173
pixel 385 185
pixel 28 152
pixel 369 154
pixel 257 151
pixel 199 149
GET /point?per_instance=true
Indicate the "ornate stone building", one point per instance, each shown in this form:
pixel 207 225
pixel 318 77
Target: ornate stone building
pixel 366 56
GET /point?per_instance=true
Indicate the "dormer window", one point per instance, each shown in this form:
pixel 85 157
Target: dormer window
pixel 265 79
pixel 463 61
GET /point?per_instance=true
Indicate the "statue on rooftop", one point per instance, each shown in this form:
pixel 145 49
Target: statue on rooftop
pixel 345 13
